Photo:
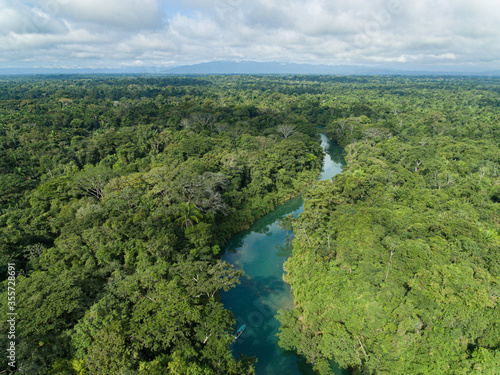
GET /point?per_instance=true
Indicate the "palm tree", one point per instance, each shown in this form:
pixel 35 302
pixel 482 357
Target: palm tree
pixel 188 213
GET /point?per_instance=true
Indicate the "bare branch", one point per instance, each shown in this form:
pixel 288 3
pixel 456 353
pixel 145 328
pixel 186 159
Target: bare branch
pixel 286 130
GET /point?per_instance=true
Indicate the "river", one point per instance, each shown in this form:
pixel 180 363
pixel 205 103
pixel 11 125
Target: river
pixel 260 251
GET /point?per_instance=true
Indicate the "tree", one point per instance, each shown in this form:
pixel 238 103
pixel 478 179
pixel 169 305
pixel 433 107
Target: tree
pixel 91 180
pixel 285 130
pixel 188 214
pixel 221 127
pixel 205 191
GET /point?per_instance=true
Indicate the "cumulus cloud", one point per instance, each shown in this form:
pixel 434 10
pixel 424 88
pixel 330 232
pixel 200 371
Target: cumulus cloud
pixel 126 14
pixel 168 32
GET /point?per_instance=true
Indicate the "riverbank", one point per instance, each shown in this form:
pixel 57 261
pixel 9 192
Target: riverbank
pixel 260 252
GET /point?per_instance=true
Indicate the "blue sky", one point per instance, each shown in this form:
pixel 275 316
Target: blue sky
pixel 120 34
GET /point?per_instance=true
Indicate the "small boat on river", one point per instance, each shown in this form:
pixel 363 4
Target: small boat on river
pixel 240 331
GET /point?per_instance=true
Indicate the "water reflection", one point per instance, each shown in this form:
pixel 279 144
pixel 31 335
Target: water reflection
pixel 260 252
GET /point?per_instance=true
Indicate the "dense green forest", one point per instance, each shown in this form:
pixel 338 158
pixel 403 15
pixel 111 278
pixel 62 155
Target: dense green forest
pixel 118 193
pixel 396 262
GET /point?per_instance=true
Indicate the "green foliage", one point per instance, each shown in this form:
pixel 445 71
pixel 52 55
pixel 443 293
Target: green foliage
pixel 394 267
pixel 117 193
pixel 116 196
pixel 188 214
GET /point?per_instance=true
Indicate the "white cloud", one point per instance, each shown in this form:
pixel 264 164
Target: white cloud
pixel 126 14
pixel 163 32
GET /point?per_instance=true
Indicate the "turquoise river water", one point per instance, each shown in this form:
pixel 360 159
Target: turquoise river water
pixel 260 251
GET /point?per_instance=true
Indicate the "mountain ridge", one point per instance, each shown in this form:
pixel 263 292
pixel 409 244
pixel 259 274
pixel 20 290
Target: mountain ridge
pixel 225 67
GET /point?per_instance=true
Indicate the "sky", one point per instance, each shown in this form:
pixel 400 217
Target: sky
pixel 159 34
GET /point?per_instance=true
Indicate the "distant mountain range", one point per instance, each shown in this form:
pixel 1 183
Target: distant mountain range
pixel 253 67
